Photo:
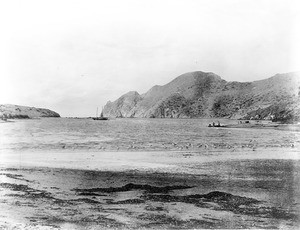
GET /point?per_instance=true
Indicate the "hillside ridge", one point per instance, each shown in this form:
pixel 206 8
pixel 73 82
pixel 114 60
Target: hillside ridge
pixel 18 111
pixel 202 95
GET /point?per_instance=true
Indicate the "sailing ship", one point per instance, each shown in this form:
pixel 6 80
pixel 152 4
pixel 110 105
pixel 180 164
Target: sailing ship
pixel 101 116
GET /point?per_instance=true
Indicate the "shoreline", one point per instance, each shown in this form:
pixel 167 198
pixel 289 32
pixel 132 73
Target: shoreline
pixel 162 161
pixel 150 190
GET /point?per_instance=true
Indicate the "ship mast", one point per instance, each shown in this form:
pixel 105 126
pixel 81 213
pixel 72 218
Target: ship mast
pixel 102 112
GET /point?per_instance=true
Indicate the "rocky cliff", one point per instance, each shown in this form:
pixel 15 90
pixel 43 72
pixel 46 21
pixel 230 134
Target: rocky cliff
pixel 123 106
pixel 17 111
pixel 200 94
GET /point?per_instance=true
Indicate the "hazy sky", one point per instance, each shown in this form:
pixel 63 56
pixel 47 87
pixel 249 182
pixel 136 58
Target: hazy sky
pixel 74 56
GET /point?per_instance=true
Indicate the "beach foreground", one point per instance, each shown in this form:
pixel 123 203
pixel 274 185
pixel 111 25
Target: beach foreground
pixel 150 190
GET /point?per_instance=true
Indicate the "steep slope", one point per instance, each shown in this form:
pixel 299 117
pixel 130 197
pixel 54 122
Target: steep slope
pixel 123 107
pixel 200 94
pixel 17 111
pixel 280 91
pixel 277 98
pixel 183 89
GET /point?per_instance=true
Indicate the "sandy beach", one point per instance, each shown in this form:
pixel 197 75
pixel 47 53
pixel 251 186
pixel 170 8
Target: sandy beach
pixel 150 190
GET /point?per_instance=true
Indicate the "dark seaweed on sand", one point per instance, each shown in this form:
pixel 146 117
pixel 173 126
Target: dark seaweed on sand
pixel 226 202
pixel 28 192
pixel 131 187
pixel 216 196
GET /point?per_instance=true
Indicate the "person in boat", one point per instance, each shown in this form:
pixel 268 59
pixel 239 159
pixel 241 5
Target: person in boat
pixel 4 117
pixel 214 124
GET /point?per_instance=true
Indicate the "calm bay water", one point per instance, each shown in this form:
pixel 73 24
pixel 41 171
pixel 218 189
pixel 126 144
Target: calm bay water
pixel 54 134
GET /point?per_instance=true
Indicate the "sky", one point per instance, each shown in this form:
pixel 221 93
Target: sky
pixel 73 56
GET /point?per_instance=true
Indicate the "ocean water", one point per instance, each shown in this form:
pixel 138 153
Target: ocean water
pixel 53 134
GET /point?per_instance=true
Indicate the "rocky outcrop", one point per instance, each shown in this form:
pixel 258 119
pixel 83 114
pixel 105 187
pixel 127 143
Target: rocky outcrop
pixel 124 106
pixel 283 112
pixel 200 94
pixel 21 112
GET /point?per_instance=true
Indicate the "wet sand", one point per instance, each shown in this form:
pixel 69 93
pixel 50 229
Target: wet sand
pixel 150 190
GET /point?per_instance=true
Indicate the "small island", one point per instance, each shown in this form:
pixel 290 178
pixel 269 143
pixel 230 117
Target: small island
pixel 8 111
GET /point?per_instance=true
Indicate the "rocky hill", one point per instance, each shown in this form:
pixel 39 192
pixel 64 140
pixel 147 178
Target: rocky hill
pixel 17 111
pixel 200 94
pixel 123 106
